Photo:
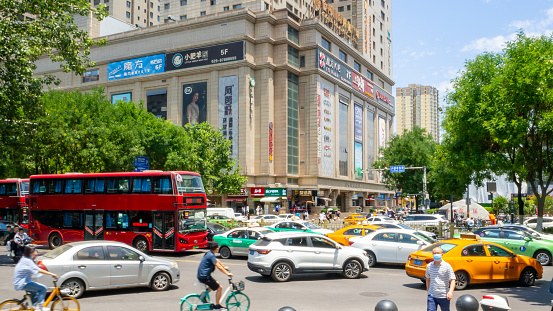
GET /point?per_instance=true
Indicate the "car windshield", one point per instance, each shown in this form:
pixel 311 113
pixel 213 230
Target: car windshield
pixel 283 216
pixel 192 220
pixel 405 227
pixel 310 225
pixel 24 187
pixel 446 247
pixel 265 231
pixel 217 227
pixel 423 237
pixel 189 184
pixel 57 251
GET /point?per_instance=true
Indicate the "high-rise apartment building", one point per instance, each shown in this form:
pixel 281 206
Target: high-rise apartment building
pixel 417 105
pixel 142 13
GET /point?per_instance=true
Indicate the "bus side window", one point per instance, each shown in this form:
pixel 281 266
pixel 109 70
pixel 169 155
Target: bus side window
pixel 39 186
pixel 54 186
pixel 73 186
pixel 2 189
pixel 162 185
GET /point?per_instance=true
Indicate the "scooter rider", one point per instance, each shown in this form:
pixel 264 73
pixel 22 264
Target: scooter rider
pixel 21 238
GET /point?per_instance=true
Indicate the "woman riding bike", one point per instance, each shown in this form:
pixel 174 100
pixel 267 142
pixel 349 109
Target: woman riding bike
pixel 23 272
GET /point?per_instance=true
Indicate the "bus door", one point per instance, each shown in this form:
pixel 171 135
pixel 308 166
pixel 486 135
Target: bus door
pixel 93 225
pixel 164 231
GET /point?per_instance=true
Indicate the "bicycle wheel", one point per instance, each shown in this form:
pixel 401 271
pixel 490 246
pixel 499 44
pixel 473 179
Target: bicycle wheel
pixel 66 304
pixel 10 304
pixel 189 301
pixel 238 302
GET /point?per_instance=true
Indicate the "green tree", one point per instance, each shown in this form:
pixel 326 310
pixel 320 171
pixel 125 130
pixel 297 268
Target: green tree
pixel 413 148
pixel 444 180
pixel 50 32
pixel 501 204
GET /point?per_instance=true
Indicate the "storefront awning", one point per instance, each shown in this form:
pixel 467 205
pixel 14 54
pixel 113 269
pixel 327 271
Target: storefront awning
pixel 325 199
pixel 236 199
pixel 272 199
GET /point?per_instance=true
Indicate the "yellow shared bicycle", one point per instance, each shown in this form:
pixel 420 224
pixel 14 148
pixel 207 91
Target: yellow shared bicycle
pixel 56 299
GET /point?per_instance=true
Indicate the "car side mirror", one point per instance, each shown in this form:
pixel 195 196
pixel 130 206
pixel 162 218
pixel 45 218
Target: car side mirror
pixel 419 242
pixel 527 239
pixel 513 255
pixel 338 246
pixel 141 258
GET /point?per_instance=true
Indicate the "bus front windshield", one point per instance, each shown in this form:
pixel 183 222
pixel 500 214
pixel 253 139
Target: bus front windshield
pixel 24 188
pixel 189 184
pixel 192 220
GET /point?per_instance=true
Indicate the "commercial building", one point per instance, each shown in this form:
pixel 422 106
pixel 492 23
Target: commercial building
pixel 417 105
pixel 294 94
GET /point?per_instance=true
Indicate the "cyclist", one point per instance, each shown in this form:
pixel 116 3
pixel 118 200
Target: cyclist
pixel 207 266
pixel 23 272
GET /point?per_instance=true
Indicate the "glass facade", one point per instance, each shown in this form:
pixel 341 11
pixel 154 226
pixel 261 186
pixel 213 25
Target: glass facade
pixel 293 124
pixel 370 143
pixel 293 57
pixel 343 134
pixel 293 35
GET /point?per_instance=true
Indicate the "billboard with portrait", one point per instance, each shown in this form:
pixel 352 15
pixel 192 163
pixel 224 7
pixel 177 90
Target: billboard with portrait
pixel 228 111
pixel 194 102
pixel 358 160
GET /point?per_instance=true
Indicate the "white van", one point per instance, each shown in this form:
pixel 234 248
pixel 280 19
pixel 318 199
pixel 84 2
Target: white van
pixel 225 211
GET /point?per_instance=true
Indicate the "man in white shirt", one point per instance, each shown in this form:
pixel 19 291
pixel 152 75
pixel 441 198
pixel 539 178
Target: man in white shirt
pixel 440 282
pixel 20 237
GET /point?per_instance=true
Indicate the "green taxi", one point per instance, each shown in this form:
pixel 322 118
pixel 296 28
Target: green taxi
pixel 298 225
pixel 519 242
pixel 237 241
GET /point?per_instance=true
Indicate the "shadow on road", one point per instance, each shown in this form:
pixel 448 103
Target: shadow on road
pixel 301 277
pixel 119 292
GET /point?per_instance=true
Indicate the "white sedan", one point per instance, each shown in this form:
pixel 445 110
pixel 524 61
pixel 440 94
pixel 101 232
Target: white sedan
pixel 388 225
pixel 267 219
pixel 391 245
pixel 533 222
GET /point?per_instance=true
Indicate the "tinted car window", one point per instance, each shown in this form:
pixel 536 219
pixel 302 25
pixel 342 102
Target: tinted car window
pixel 90 253
pixel 513 235
pixel 497 251
pixel 321 242
pixel 57 251
pixel 474 250
pixel 300 241
pixel 446 247
pixel 385 237
pixel 406 238
pixel 252 235
pixel 367 231
pixel 121 253
pixel 354 231
pixel 490 234
pixel 284 225
pixel 297 226
pixel 238 234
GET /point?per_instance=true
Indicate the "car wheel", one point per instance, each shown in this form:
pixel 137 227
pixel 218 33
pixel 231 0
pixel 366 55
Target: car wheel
pixel 372 258
pixel 462 280
pixel 161 281
pixel 141 244
pixel 73 287
pixel 225 252
pixel 54 240
pixel 352 269
pixel 527 277
pixel 543 257
pixel 282 272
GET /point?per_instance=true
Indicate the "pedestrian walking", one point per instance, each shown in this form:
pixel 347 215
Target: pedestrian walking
pixel 440 282
pixel 305 215
pixel 321 217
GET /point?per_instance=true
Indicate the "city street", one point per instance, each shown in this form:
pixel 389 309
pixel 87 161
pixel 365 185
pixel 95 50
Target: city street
pixel 304 292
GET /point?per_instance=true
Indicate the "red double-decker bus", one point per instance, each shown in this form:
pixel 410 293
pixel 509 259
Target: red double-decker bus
pixel 150 210
pixel 14 199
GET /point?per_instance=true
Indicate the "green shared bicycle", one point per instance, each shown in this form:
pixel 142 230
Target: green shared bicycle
pixel 236 300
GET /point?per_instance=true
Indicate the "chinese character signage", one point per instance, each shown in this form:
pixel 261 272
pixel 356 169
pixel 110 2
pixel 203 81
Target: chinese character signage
pixel 136 67
pixel 358 123
pixel 215 54
pixel 270 141
pixel 334 67
pixel 326 98
pixel 194 102
pixel 258 192
pixel 275 192
pixel 362 85
pixel 383 97
pixel 228 111
pixel 381 133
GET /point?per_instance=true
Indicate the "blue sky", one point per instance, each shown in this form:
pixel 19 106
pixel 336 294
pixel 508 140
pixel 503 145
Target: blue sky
pixel 433 38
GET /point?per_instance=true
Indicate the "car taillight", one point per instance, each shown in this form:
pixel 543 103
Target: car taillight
pixel 487 297
pixel 408 258
pixel 263 251
pixel 351 242
pixel 429 260
pixel 41 265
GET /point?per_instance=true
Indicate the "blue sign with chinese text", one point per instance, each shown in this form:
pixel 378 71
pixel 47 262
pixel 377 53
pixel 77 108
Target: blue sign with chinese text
pixel 136 67
pixel 397 168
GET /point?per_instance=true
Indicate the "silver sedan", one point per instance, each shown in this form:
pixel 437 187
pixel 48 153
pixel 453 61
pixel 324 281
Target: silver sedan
pixel 94 265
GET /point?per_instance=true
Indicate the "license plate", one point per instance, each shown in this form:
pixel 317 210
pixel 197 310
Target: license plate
pixel 251 252
pixel 196 246
pixel 417 262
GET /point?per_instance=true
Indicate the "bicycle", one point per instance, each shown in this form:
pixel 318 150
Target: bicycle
pixel 236 301
pixel 59 303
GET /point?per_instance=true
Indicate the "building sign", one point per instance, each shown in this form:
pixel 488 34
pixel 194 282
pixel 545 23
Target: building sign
pixel 334 67
pixel 194 102
pixel 358 123
pixel 228 111
pixel 326 96
pixel 127 97
pixel 270 141
pixel 243 191
pixel 275 192
pixel 304 193
pixel 338 23
pixel 361 84
pixel 383 97
pixel 358 161
pixel 215 54
pixel 136 67
pixel 389 39
pixel 367 28
pixel 381 133
pixel 381 196
pixel 258 192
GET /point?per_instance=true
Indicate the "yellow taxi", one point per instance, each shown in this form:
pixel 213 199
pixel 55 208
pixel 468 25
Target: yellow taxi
pixel 475 261
pixel 354 219
pixel 342 236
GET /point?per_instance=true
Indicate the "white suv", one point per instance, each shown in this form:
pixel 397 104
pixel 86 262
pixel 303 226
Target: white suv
pixel 426 220
pixel 282 254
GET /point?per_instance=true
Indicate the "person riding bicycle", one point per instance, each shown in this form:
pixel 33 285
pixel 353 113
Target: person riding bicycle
pixel 23 272
pixel 207 266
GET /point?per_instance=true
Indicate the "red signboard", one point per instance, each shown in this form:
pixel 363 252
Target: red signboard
pixel 258 192
pixel 361 84
pixel 243 191
pixel 270 141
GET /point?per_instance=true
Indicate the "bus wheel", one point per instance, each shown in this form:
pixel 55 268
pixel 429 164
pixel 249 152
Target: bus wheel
pixel 54 240
pixel 141 244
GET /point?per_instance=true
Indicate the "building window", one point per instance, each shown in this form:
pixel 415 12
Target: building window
pixel 289 7
pixel 156 103
pixel 226 8
pixel 343 56
pixel 369 75
pixel 213 2
pixel 343 134
pixel 182 17
pixel 382 3
pixel 106 9
pixel 128 14
pixel 151 24
pixel 158 18
pixel 96 2
pixel 202 13
pixel 92 75
pixel 325 44
pixel 382 15
pixel 183 2
pixel 151 15
pixel 128 4
pixel 340 9
pixel 266 6
pixel 139 8
pixel 158 8
pixel 293 56
pixel 293 124
pixel 381 26
pixel 293 35
pixel 349 7
pixel 166 6
pixel 151 5
pixel 302 61
pixel 357 66
pixel 237 6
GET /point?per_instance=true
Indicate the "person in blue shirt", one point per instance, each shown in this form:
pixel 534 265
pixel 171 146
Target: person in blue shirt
pixel 24 271
pixel 207 266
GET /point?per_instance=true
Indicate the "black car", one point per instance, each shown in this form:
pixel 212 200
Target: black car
pixel 213 229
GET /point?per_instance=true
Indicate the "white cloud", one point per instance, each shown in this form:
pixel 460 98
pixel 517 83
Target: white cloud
pixel 443 87
pixel 494 44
